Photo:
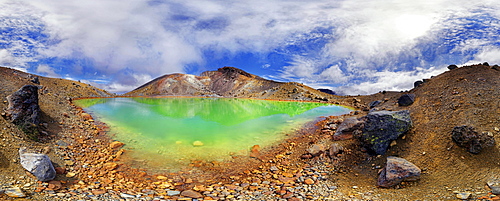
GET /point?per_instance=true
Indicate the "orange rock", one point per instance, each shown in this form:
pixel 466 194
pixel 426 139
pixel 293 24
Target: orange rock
pixel 98 191
pixel 86 116
pixel 116 144
pixel 110 166
pixel 309 181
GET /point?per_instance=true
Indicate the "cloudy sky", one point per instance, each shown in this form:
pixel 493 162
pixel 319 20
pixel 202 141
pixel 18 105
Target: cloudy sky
pixel 351 46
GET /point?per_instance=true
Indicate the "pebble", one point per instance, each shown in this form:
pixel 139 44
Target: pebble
pixel 14 192
pixel 463 196
pixel 124 195
pixel 172 193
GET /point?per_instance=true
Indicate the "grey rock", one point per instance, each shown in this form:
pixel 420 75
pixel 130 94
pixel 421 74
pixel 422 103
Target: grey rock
pixel 335 149
pixel 396 171
pixel 316 149
pixel 463 196
pixel 494 186
pixel 382 127
pixel 37 164
pixel 15 192
pixel 406 99
pixel 124 195
pixel 374 103
pixel 466 136
pixel 347 127
pixel 24 110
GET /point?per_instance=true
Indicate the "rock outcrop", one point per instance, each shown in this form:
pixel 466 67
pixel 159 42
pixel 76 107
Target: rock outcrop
pixel 382 127
pixel 24 110
pixel 396 171
pixel 38 165
pixel 469 138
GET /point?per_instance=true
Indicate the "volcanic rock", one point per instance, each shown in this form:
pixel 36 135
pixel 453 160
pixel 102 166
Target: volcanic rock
pixel 347 127
pixel 316 149
pixel 24 110
pixel 374 103
pixel 37 164
pixel 396 171
pixel 406 99
pixel 453 66
pixel 417 83
pixel 382 127
pixel 466 136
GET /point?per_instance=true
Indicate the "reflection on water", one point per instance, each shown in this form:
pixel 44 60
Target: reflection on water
pixel 162 130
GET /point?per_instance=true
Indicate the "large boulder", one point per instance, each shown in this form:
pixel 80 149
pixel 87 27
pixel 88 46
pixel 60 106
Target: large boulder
pixel 24 110
pixel 382 127
pixel 37 164
pixel 406 99
pixel 474 142
pixel 396 171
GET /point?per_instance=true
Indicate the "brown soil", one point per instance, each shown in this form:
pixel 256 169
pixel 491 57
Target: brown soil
pixel 464 96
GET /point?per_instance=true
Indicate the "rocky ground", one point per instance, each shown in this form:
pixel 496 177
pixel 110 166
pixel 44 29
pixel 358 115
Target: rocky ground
pixel 91 166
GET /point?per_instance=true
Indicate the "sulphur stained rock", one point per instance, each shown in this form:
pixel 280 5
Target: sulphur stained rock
pixel 396 171
pixel 37 164
pixel 382 127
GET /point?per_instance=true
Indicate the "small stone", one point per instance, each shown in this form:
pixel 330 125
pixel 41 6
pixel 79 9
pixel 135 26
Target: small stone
pixel 198 143
pixel 463 196
pixel 160 177
pixel 124 195
pixel 60 170
pixel 172 193
pixel 98 191
pixel 70 174
pixel 191 194
pixel 116 144
pixel 54 185
pixel 110 166
pixel 273 168
pixel 69 162
pixel 14 192
pixel 309 181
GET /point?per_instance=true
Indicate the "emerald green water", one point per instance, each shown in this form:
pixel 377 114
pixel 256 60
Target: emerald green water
pixel 161 131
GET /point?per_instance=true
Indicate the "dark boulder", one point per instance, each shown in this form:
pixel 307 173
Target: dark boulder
pixel 24 110
pixel 474 142
pixel 396 171
pixel 453 66
pixel 374 103
pixel 382 127
pixel 406 99
pixel 328 91
pixel 417 83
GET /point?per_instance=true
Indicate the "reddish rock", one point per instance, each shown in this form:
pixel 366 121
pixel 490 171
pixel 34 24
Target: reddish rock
pixel 110 166
pixel 191 194
pixel 98 191
pixel 309 181
pixel 54 185
pixel 60 170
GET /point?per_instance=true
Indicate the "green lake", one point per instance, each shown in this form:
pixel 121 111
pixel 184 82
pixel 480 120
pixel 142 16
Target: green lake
pixel 171 132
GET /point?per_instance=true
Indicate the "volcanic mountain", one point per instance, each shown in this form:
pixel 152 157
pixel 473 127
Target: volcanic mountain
pixel 228 82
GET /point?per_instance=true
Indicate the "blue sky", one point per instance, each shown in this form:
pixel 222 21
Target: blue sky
pixel 352 47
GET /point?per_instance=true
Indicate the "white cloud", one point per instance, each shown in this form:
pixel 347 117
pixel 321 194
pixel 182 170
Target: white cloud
pixel 389 81
pixel 46 70
pixel 150 38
